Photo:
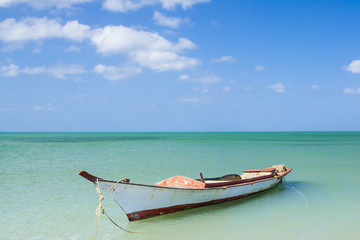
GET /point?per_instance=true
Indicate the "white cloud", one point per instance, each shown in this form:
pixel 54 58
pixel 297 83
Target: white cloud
pixel 147 49
pixel 75 31
pixel 315 87
pixel 183 77
pixel 226 89
pixel 185 4
pixel 228 59
pixel 278 87
pixel 9 47
pixel 248 88
pixel 41 4
pixel 352 91
pixel 172 22
pixel 57 71
pixel 31 29
pixel 353 67
pixel 28 29
pixel 203 89
pixel 132 5
pixel 193 99
pixel 259 68
pixel 209 78
pixel 115 73
pixel 163 61
pixel 34 70
pixel 183 43
pixel 72 49
pixel 121 39
pixel 44 107
pixel 38 49
pixel 123 5
pixel 11 70
pixel 6 3
pixel 60 71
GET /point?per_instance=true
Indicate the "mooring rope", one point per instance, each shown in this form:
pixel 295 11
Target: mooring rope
pixel 100 209
pixel 307 202
pixel 101 198
pixel 103 212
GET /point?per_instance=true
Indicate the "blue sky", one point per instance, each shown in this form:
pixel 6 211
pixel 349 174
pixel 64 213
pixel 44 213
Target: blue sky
pixel 179 65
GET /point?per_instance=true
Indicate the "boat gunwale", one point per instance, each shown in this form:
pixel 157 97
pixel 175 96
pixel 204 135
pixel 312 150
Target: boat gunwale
pixel 91 179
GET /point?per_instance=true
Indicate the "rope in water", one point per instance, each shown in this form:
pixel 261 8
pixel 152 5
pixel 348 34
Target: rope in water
pixel 307 202
pixel 100 209
pixel 103 211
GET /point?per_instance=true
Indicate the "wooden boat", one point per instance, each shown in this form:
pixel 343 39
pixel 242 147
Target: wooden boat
pixel 140 201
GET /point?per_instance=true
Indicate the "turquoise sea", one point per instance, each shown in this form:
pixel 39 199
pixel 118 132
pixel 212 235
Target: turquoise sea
pixel 42 197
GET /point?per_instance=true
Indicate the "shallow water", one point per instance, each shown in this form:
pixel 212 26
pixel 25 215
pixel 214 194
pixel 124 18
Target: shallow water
pixel 42 197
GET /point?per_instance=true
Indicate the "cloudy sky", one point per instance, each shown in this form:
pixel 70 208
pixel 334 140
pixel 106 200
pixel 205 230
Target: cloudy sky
pixel 179 65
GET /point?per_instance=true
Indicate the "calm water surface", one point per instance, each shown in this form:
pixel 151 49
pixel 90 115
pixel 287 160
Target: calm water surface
pixel 42 197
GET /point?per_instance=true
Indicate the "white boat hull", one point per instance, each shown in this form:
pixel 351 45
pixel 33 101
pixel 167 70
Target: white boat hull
pixel 141 201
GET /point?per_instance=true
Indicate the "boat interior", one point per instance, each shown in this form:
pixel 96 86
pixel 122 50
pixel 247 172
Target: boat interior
pixel 247 176
pixel 226 180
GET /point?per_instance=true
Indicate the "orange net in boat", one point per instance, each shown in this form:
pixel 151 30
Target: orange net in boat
pixel 180 182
